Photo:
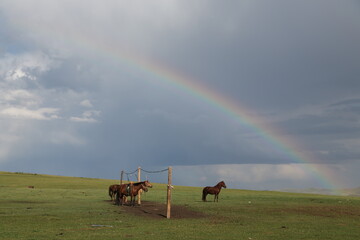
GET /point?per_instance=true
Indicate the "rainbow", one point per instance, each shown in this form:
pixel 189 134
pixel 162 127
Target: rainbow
pixel 244 116
pixel 166 75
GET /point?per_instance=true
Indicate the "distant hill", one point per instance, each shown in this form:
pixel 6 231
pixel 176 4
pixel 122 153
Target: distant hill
pixel 346 192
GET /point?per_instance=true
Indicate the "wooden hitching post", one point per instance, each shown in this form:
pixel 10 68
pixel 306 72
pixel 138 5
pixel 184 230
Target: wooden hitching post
pixel 121 176
pixel 139 180
pixel 121 180
pixel 168 204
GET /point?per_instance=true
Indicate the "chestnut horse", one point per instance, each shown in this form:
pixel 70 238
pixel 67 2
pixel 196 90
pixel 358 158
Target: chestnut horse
pixel 132 190
pixel 215 190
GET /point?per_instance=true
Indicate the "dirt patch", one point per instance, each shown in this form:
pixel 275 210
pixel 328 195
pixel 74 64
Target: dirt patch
pixel 158 211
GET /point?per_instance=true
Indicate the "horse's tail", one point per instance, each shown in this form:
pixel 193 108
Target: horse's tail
pixel 110 192
pixel 204 195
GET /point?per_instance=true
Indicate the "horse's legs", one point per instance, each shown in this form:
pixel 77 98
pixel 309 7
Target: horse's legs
pixel 122 199
pixel 216 197
pixel 117 200
pixel 204 195
pixel 135 200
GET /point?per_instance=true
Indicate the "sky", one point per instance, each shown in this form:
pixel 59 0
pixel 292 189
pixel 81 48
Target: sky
pixel 264 95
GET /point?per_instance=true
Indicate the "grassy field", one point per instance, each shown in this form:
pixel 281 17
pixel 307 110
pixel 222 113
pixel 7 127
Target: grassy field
pixel 79 208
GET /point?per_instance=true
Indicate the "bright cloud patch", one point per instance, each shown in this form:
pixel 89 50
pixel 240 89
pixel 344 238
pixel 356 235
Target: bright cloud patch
pixel 87 116
pixel 39 114
pixel 262 172
pixel 86 103
pixel 26 94
pixel 258 176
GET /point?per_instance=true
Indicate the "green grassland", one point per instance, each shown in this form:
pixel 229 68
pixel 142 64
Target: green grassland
pixel 68 208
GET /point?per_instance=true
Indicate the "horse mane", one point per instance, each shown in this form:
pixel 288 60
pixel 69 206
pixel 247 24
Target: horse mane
pixel 219 183
pixel 138 183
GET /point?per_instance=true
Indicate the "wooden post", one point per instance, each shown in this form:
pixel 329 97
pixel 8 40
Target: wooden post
pixel 121 176
pixel 121 180
pixel 168 204
pixel 139 180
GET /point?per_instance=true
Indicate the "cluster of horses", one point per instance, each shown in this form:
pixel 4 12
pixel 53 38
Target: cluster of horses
pixel 119 193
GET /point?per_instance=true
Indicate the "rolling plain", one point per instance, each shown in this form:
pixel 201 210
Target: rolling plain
pixel 36 206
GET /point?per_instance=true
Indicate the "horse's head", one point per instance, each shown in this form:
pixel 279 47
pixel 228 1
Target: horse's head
pixel 143 187
pixel 148 184
pixel 223 184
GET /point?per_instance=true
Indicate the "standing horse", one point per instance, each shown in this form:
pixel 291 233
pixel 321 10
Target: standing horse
pixel 124 190
pixel 131 190
pixel 134 191
pixel 215 190
pixel 112 191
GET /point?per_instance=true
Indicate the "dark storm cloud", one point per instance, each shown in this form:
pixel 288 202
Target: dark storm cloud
pixel 273 51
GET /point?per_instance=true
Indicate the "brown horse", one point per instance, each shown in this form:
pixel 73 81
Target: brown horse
pixel 112 191
pixel 146 183
pixel 132 190
pixel 215 190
